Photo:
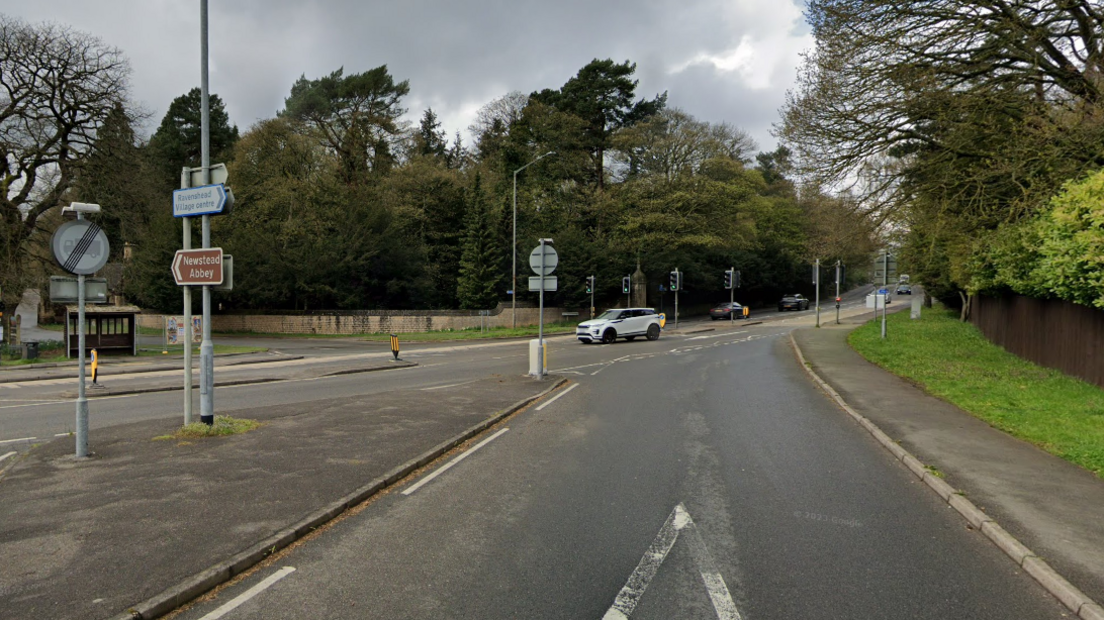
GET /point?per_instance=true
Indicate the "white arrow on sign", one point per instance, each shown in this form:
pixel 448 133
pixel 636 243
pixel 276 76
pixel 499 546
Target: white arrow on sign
pixel 551 259
pixel 203 200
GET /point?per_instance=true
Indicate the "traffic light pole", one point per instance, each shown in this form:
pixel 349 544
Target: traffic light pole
pixel 678 279
pixel 591 297
pixel 885 287
pixel 837 292
pixel 816 280
pixel 732 296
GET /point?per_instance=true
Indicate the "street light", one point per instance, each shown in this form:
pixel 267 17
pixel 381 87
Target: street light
pixel 513 249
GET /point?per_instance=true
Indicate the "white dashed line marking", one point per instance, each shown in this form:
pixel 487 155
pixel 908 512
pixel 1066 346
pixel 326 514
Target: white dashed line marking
pixel 454 461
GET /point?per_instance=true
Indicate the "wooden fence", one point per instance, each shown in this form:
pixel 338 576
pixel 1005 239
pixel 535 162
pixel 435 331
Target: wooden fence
pixel 1052 333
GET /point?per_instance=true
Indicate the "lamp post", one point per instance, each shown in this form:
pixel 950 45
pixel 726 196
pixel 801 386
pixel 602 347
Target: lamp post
pixel 513 248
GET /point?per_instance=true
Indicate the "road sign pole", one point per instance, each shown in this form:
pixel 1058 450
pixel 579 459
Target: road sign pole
pixel 540 328
pixel 206 348
pixel 82 400
pixel 188 337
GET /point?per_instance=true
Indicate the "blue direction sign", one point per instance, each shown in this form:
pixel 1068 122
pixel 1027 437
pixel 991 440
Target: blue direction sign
pixel 202 200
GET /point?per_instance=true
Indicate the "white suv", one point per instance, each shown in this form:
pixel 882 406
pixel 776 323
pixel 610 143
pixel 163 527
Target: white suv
pixel 625 323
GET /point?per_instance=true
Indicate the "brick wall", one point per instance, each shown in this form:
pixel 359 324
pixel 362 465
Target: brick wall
pixel 365 322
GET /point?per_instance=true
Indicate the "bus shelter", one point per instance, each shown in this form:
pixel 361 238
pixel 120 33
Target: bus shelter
pixel 108 329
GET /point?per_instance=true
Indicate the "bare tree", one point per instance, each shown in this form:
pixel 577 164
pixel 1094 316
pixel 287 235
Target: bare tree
pixel 57 86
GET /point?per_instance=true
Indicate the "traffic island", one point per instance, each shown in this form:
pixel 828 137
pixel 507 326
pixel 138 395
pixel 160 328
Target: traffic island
pixel 164 521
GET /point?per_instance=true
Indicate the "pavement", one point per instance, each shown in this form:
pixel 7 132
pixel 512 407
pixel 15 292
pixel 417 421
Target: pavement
pixel 1043 511
pixel 149 522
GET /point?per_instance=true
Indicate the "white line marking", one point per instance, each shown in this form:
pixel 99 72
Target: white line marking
pixel 248 594
pixel 454 461
pixel 601 369
pixel 718 335
pixel 4 456
pixel 62 435
pixel 441 387
pixel 19 439
pixel 557 396
pixel 633 591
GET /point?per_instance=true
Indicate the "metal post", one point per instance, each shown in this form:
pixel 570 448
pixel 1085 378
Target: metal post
pixel 513 252
pixel 678 280
pixel 816 279
pixel 540 327
pixel 185 182
pixel 837 292
pixel 206 348
pixel 592 298
pixel 732 296
pixel 885 287
pixel 82 400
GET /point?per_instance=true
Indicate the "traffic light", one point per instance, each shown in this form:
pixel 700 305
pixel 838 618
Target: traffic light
pixel 590 284
pixel 625 283
pixel 676 280
pixel 736 279
pixel 729 273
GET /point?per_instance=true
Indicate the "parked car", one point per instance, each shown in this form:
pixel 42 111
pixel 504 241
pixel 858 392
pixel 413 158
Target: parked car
pixel 904 289
pixel 627 323
pixel 797 301
pixel 727 310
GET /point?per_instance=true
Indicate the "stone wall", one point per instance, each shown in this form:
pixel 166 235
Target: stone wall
pixel 367 322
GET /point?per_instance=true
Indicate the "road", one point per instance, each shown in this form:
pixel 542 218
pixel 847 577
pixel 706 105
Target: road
pixel 34 411
pixel 699 476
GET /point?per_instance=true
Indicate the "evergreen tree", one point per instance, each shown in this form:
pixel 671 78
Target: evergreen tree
pixel 430 139
pixel 177 141
pixel 480 275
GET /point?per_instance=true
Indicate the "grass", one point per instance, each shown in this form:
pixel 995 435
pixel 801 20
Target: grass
pixel 472 333
pixel 223 426
pixel 178 349
pixel 952 360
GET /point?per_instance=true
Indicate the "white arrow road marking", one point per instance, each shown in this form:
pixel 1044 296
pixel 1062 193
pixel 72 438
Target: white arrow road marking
pixel 679 520
pixel 454 461
pixel 250 593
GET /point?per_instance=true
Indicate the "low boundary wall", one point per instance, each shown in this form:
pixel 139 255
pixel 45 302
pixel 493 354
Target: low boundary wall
pixel 368 322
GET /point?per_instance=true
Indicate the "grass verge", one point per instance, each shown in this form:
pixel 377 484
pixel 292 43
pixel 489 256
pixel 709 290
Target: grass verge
pixel 953 361
pixel 223 426
pixel 178 349
pixel 562 327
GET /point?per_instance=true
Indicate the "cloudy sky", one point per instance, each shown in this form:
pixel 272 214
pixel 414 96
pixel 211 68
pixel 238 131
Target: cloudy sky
pixel 720 60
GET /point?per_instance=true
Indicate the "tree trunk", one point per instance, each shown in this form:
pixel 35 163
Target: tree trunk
pixel 966 299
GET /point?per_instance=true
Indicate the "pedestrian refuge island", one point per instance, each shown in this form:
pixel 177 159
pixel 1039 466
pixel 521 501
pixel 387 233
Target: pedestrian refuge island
pixel 108 329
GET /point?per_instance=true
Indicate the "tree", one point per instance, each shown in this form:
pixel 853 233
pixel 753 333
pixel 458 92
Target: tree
pixel 601 94
pixel 118 176
pixel 357 116
pixel 57 88
pixel 673 143
pixel 178 140
pixel 479 283
pixel 430 140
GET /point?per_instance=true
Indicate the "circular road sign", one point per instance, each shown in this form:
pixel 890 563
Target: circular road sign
pixel 551 259
pixel 80 247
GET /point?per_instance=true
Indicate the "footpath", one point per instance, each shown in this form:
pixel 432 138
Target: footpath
pixel 147 524
pixel 1051 508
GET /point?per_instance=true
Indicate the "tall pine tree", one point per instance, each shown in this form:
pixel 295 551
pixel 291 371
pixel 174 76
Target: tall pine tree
pixel 480 273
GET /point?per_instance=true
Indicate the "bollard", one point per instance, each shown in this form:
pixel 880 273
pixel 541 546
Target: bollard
pixel 95 366
pixel 395 347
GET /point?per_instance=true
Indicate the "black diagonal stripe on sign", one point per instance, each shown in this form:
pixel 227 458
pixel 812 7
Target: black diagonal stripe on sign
pixel 81 247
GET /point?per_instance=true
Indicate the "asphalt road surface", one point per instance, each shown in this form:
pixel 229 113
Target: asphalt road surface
pixel 699 476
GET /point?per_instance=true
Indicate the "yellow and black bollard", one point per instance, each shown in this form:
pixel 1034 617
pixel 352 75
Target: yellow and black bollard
pixel 95 367
pixel 395 347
